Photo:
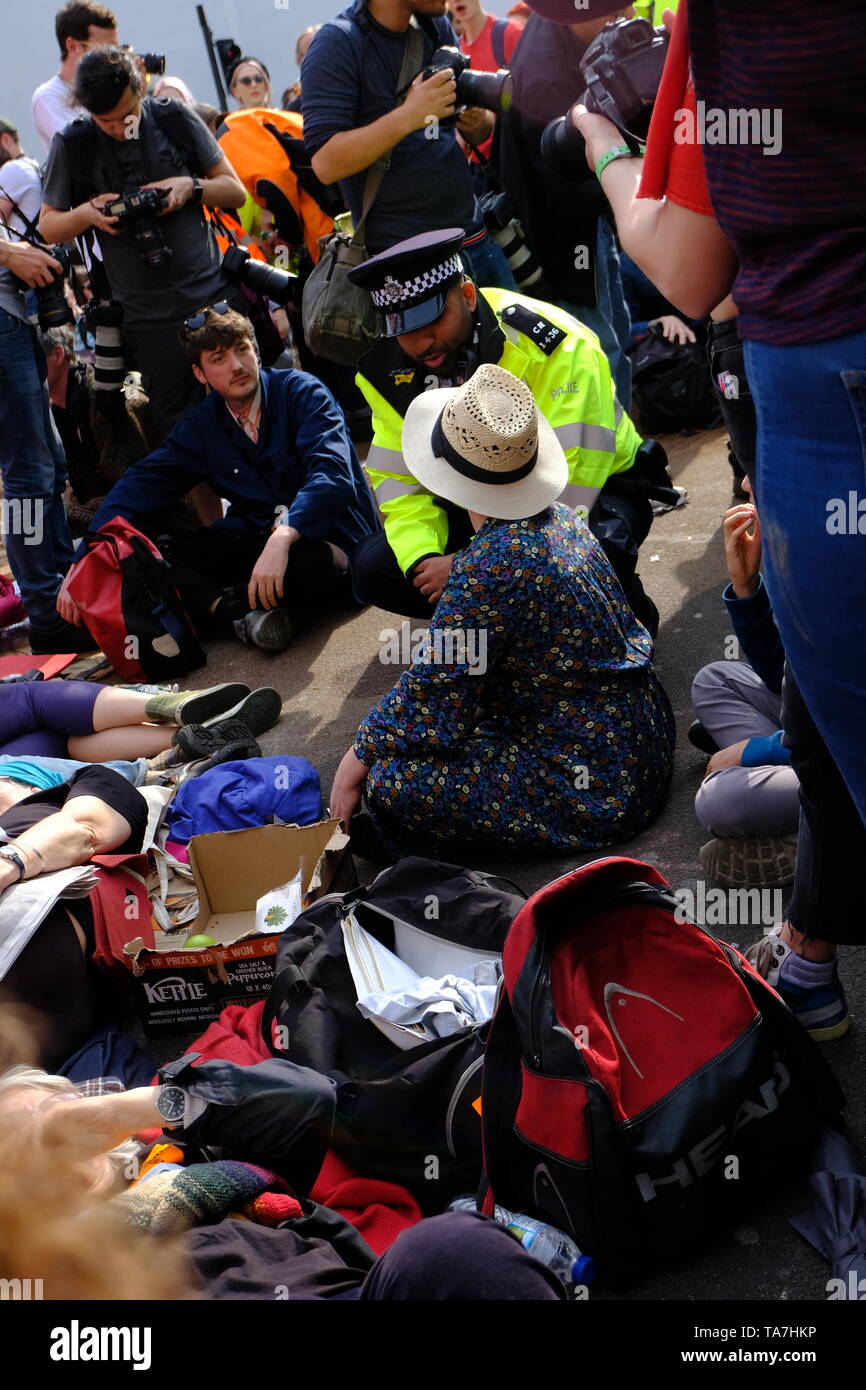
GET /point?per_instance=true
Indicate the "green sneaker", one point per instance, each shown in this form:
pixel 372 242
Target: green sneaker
pixel 194 706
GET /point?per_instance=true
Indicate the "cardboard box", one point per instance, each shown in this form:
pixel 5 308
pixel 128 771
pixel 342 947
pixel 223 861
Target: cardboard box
pixel 182 991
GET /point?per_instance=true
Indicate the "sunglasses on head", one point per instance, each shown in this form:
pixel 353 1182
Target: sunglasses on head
pixel 248 81
pixel 200 319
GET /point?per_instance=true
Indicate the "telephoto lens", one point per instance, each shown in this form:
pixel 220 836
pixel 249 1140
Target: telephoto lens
pixel 275 284
pixel 491 90
pixel 104 321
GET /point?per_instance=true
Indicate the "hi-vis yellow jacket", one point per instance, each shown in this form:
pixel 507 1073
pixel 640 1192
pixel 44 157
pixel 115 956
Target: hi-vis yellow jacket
pixel 561 362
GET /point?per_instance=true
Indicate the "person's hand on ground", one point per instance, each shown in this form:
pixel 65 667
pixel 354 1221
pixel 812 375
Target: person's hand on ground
pixel 732 756
pixel 431 576
pixel 265 589
pixel 674 329
pixel 742 549
pixel 66 605
pixel 348 787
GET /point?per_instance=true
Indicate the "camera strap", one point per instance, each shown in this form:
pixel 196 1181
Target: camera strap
pixel 413 57
pixel 32 230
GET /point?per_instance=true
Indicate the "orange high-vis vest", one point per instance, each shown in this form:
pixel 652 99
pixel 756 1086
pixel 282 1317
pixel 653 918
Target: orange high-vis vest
pixel 255 154
pixel 225 221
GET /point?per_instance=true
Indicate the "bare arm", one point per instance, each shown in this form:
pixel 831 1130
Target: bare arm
pixel 85 826
pixel 351 151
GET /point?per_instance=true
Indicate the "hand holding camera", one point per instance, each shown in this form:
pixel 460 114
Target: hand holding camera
pixel 35 268
pixel 431 95
pixel 97 216
pixel 179 191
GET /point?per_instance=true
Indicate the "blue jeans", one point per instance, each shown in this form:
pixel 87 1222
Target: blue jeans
pixel 33 467
pixel 609 320
pixel 134 771
pixel 811 470
pixel 487 266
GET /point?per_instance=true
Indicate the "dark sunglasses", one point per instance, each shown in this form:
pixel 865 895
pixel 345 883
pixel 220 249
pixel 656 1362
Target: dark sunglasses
pixel 199 320
pixel 248 81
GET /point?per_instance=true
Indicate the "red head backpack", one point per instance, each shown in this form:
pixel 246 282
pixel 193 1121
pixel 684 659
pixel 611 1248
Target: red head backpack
pixel 124 589
pixel 641 1081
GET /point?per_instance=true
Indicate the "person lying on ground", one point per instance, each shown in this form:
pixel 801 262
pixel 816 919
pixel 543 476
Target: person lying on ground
pixel 96 812
pixel 275 444
pixel 533 717
pixel 94 723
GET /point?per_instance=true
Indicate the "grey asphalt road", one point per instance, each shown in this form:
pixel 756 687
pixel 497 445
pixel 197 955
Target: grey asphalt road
pixel 332 675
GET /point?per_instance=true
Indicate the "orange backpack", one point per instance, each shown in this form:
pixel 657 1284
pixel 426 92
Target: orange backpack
pixel 258 158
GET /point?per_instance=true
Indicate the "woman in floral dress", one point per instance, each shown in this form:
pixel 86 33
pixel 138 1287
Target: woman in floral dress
pixel 533 716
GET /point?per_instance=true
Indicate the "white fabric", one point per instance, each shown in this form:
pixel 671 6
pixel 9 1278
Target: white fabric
pixel 408 1007
pixel 24 906
pixel 53 107
pixel 21 184
pixel 439 1007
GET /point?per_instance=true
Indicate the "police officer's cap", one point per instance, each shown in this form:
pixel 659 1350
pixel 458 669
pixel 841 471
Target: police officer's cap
pixel 409 283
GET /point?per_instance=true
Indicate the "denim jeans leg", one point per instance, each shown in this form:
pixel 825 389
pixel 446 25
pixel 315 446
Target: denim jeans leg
pixel 33 466
pixel 811 409
pixel 609 320
pixel 487 266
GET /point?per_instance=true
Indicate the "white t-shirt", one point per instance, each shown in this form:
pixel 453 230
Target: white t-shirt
pixel 53 107
pixel 20 183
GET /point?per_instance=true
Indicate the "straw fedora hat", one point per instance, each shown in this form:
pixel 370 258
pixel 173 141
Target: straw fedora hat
pixel 485 446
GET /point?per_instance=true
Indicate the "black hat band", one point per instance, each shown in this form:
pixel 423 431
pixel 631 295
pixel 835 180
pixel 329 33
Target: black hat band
pixel 443 449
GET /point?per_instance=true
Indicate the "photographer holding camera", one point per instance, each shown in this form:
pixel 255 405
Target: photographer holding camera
pixel 132 178
pixel 360 111
pixel 32 462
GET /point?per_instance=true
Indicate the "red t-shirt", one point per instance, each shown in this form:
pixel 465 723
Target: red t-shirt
pixel 673 165
pixel 483 59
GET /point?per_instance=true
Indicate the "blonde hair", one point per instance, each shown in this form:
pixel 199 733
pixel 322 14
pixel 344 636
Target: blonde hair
pixel 52 1227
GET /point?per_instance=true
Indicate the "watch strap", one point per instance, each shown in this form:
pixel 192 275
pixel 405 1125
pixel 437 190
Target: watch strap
pixel 7 852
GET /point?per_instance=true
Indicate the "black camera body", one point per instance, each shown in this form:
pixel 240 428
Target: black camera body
pixel 492 90
pixel 268 280
pixel 623 68
pixel 136 213
pixel 154 63
pixel 51 306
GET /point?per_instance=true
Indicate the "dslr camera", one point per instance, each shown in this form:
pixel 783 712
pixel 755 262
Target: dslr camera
pixel 136 213
pixel 492 90
pixel 51 306
pixel 622 68
pixel 268 280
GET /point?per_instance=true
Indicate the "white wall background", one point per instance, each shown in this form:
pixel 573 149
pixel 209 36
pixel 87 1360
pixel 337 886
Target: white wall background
pixel 266 28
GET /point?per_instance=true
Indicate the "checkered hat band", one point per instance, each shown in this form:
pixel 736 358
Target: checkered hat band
pixel 395 292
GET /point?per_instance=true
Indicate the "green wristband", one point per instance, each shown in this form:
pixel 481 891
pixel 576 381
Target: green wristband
pixel 618 152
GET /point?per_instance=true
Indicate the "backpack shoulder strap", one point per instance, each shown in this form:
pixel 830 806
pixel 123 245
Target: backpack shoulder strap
pixel 170 119
pixel 497 40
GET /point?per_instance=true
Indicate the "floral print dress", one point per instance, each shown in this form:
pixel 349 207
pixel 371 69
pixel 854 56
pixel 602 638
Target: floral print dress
pixel 534 717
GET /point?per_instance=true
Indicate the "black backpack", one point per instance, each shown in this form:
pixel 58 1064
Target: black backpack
pixel 411 1116
pixel 671 386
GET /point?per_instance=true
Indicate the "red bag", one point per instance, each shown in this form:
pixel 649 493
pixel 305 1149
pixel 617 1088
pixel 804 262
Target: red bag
pixel 642 1084
pixel 124 589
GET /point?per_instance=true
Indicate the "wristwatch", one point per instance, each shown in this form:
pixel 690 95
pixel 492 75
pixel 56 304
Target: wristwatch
pixel 171 1104
pixel 7 852
pixel 197 192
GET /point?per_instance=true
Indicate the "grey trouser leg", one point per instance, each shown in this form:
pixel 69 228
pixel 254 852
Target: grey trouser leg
pixel 733 703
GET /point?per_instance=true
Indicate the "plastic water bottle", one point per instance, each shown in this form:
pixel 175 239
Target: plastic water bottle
pixel 551 1247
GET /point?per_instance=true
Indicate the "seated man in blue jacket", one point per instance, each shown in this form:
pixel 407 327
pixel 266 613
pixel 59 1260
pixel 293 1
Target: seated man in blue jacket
pixel 275 445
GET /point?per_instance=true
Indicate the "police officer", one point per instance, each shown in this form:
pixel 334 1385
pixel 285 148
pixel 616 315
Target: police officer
pixel 437 328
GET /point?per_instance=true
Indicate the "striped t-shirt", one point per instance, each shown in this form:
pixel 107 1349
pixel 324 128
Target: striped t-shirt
pixel 796 217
